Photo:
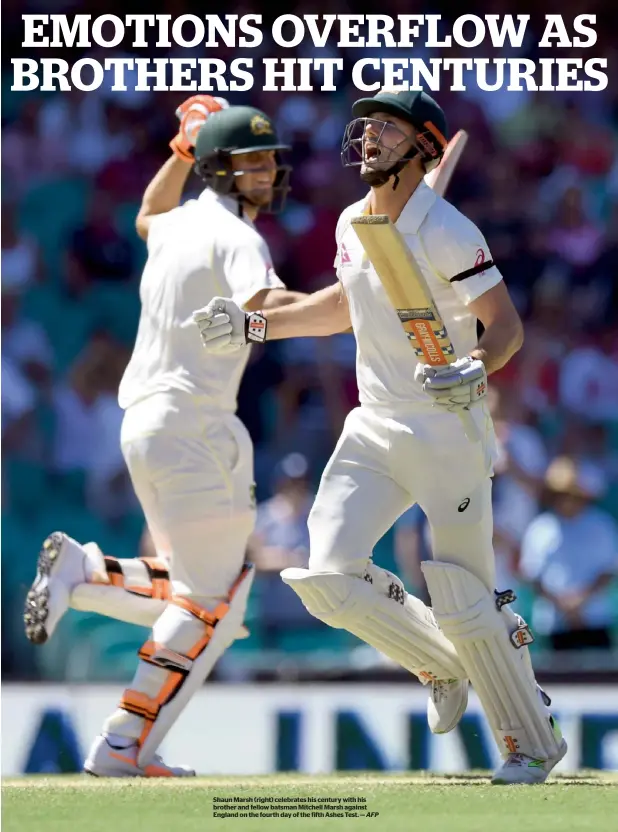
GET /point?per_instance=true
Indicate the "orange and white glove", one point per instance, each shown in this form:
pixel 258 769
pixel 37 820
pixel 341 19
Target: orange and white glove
pixel 192 113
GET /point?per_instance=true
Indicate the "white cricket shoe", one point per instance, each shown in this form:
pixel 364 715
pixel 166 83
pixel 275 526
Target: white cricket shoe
pixel 518 769
pixel 60 567
pixel 447 704
pixel 106 760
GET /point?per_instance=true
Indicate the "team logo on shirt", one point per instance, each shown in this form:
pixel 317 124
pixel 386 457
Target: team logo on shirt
pixel 261 126
pixel 345 257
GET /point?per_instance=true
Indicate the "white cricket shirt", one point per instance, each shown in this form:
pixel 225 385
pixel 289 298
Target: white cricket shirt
pixel 445 244
pixel 197 251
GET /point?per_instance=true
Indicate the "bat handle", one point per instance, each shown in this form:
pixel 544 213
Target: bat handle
pixel 469 425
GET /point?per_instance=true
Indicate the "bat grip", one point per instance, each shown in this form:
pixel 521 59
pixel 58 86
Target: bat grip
pixel 469 425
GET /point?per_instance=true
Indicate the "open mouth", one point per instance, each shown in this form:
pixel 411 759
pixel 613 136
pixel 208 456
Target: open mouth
pixel 372 152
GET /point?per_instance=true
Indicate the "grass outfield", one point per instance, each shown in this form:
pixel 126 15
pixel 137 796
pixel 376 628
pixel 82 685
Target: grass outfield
pixel 457 803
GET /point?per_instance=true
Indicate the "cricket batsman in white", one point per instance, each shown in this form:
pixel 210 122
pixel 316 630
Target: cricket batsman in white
pixel 189 456
pixel 405 444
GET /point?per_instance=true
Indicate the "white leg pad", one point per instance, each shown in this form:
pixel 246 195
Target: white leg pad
pixel 186 644
pixel 116 602
pixel 378 610
pixel 492 648
pixel 135 590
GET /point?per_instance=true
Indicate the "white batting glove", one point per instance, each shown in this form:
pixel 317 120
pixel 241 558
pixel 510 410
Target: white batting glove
pixel 224 327
pixel 457 386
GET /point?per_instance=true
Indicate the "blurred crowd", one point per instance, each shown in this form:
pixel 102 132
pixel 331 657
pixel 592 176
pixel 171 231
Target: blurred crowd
pixel 540 178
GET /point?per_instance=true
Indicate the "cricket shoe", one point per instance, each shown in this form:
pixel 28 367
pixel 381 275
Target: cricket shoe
pixel 447 704
pixel 519 769
pixel 107 760
pixel 60 567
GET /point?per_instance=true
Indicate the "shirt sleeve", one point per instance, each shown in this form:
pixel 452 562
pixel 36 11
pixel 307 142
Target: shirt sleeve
pixel 341 253
pixel 248 269
pixel 157 229
pixel 460 253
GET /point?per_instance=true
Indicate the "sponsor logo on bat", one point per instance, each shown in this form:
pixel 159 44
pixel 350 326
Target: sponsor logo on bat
pixel 429 343
pixel 416 314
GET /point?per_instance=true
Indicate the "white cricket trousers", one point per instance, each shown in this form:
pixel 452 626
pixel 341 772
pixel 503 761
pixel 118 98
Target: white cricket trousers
pixel 193 475
pixel 386 460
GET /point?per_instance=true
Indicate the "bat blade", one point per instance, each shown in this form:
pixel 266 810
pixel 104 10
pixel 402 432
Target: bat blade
pixel 439 177
pixel 410 295
pixel 406 287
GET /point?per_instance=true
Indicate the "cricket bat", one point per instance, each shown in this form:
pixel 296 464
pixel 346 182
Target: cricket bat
pixel 405 284
pixel 439 177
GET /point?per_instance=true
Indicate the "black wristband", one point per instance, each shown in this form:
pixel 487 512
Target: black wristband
pixel 255 327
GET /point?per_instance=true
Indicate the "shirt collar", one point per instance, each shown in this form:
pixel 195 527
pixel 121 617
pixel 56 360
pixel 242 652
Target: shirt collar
pixel 415 210
pixel 208 197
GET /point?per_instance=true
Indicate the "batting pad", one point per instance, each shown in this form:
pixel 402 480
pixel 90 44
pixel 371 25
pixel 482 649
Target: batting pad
pixel 115 602
pixel 187 641
pixel 126 589
pixel 378 610
pixel 491 655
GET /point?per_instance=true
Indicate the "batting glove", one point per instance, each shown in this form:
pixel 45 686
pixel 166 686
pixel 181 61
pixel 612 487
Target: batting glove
pixel 224 327
pixel 457 386
pixel 192 113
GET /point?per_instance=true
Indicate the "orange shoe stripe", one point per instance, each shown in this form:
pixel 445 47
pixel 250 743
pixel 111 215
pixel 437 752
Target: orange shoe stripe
pixel 157 771
pixel 123 759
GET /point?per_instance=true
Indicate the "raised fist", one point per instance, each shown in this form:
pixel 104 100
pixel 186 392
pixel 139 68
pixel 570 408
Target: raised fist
pixel 192 113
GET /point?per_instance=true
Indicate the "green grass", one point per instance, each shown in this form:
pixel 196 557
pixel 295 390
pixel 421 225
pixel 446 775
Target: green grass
pixel 458 803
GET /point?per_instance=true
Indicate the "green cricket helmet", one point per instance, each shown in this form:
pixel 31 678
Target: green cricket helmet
pixel 413 106
pixel 231 132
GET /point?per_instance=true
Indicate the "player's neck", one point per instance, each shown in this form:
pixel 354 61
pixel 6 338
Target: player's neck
pixel 385 200
pixel 250 211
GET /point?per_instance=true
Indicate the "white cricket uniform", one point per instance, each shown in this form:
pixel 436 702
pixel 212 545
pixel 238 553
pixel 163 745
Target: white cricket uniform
pixel 396 449
pixel 189 456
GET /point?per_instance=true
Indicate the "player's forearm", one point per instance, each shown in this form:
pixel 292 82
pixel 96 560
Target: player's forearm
pixel 319 314
pixel 283 297
pixel 498 344
pixel 163 193
pixel 273 298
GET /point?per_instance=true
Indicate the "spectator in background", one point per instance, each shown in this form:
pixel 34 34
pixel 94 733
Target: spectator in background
pixel 588 381
pixel 97 248
pixel 24 341
pixel 87 427
pixel 281 539
pixel 28 155
pixel 570 557
pixel 518 482
pixel 22 264
pixel 412 546
pixel 18 411
pixel 589 442
pixel 546 342
pixel 575 238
